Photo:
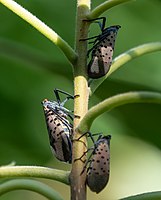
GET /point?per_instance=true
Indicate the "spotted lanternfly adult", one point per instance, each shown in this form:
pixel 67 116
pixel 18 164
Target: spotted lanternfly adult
pixel 102 50
pixel 99 165
pixel 59 127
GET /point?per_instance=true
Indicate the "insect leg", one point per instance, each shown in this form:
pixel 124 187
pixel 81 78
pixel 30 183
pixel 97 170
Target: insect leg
pixel 62 119
pixel 89 159
pixel 89 134
pixel 70 116
pixel 78 139
pixel 93 148
pixel 69 96
pixel 84 153
pixel 63 92
pixel 102 25
pixel 83 135
pixel 88 38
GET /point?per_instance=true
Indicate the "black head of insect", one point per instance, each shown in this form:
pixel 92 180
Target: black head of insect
pixel 102 50
pixel 59 128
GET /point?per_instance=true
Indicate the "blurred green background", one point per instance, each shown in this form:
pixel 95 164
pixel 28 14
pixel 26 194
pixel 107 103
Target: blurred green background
pixel 31 67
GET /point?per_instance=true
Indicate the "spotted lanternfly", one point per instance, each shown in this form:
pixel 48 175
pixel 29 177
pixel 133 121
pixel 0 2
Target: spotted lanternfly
pixel 102 50
pixel 99 165
pixel 59 127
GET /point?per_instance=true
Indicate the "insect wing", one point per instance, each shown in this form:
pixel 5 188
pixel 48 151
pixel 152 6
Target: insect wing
pixel 59 130
pixel 101 62
pixel 102 53
pixel 99 168
pixel 60 142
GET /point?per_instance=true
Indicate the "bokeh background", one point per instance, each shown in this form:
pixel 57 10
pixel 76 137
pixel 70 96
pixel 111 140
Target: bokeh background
pixel 31 67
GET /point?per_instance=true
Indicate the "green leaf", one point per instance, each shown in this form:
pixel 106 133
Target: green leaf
pixel 145 196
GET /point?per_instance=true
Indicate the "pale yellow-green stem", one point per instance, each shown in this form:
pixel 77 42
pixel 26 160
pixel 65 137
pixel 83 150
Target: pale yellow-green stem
pixel 41 27
pixel 115 101
pixel 78 187
pixel 32 185
pixel 101 8
pixel 34 171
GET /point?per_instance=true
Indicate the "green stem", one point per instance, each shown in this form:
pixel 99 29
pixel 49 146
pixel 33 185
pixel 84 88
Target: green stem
pixel 126 57
pixel 32 185
pixel 104 7
pixel 42 28
pixel 115 101
pixel 145 196
pixel 78 182
pixel 32 171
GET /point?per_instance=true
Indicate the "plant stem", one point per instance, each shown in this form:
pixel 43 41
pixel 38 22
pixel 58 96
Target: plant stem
pixel 104 7
pixel 32 171
pixel 42 28
pixel 115 101
pixel 32 185
pixel 78 188
pixel 126 57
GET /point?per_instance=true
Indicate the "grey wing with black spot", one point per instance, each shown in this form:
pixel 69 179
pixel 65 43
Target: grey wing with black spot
pixel 59 131
pixel 99 167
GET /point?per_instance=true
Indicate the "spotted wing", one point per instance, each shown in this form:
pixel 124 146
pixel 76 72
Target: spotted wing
pixel 59 131
pixel 102 53
pixel 101 62
pixel 98 171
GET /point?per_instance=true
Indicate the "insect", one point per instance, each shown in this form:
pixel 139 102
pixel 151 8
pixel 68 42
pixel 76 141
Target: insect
pixel 98 163
pixel 102 50
pixel 59 128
